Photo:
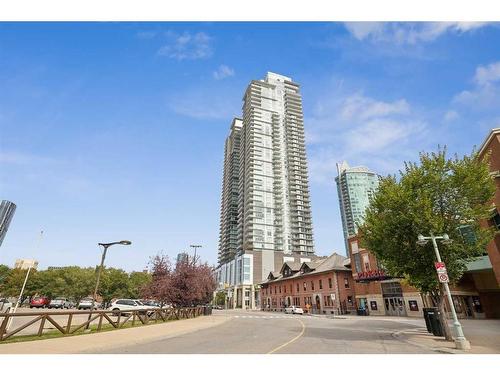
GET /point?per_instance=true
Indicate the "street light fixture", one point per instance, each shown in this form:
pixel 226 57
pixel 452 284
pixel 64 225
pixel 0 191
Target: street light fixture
pixel 105 246
pixel 460 341
pixel 195 247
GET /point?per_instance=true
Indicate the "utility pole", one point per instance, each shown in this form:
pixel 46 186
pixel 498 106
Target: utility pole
pixel 460 342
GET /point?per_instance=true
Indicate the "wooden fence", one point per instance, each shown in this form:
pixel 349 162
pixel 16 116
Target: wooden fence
pixel 115 320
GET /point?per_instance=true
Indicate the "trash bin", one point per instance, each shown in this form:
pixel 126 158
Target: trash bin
pixel 426 318
pixel 433 315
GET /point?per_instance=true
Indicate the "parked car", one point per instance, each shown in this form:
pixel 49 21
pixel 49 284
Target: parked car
pixel 5 305
pixel 39 302
pixel 129 304
pixel 86 304
pixel 60 303
pixel 151 303
pixel 293 310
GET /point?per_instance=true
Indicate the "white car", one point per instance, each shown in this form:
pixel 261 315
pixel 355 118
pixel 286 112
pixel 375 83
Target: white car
pixel 293 310
pixel 86 304
pixel 5 305
pixel 129 304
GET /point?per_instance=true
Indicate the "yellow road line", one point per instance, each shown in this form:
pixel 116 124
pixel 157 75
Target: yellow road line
pixel 292 340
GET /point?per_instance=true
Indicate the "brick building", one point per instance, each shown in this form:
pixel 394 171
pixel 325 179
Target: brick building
pixel 485 272
pixel 322 286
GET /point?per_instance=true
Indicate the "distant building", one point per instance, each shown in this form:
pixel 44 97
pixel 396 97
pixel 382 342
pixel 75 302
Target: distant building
pixel 355 187
pixel 7 210
pixel 182 257
pixel 24 264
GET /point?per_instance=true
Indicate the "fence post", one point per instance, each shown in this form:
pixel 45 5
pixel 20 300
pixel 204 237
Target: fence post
pixel 3 327
pixel 42 324
pixel 68 325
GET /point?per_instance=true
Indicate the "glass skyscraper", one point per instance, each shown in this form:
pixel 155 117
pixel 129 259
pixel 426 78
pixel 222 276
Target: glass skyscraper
pixel 7 210
pixel 355 187
pixel 266 210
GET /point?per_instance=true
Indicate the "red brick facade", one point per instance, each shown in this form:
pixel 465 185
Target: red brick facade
pixel 491 147
pixel 317 290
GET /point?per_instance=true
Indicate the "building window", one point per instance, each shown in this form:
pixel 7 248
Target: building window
pixel 312 285
pixel 496 220
pixel 349 300
pixel 275 289
pixel 284 287
pixel 330 283
pixel 321 284
pixel 297 287
pixel 357 263
pixel 346 283
pixel 305 286
pixel 280 289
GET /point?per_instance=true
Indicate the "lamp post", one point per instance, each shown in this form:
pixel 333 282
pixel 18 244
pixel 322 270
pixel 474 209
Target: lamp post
pixel 460 341
pixel 195 247
pixel 94 297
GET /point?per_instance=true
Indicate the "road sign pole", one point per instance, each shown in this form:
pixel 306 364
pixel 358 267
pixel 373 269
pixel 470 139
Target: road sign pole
pixel 460 341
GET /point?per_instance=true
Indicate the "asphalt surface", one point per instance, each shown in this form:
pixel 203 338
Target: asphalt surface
pixel 253 332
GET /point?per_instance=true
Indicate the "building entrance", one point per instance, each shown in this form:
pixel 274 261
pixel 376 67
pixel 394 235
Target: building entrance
pixel 393 299
pixel 395 306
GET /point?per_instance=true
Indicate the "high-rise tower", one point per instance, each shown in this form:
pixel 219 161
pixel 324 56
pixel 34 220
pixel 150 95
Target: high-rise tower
pixel 355 187
pixel 273 204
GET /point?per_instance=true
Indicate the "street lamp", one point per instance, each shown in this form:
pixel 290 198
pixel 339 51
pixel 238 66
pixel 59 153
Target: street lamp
pixel 105 246
pixel 195 247
pixel 460 341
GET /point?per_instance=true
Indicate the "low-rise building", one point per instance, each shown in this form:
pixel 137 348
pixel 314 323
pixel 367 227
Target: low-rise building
pixel 321 286
pixel 378 293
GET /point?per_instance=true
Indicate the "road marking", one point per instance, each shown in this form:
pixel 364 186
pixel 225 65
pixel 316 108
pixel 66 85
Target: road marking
pixel 292 340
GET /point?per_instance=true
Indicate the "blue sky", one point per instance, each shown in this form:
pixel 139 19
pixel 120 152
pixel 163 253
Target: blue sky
pixel 113 131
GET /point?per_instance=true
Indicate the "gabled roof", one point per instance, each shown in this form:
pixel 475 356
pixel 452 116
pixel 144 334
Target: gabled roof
pixel 493 132
pixel 294 266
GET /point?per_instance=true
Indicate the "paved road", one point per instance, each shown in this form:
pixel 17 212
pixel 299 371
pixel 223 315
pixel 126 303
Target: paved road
pixel 263 332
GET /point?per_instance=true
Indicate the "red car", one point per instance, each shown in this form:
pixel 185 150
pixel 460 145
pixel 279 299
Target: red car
pixel 42 302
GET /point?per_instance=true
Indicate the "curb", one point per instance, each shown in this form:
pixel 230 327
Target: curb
pixel 399 336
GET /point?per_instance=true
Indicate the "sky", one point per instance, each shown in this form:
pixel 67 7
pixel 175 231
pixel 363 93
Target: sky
pixel 115 131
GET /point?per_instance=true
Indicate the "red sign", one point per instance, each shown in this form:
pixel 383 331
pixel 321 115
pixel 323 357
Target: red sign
pixel 371 275
pixel 440 267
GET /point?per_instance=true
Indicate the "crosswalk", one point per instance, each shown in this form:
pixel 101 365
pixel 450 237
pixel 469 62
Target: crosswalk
pixel 270 316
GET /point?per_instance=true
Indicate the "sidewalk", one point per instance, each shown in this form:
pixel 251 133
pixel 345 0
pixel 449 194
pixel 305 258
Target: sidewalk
pixel 483 335
pixel 93 343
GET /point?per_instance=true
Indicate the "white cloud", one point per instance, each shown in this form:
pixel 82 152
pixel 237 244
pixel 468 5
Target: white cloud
pixel 363 131
pixel 486 91
pixel 408 32
pixel 487 74
pixel 222 72
pixel 363 108
pixel 187 46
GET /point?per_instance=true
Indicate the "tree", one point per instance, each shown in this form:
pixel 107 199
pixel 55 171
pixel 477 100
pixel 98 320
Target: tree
pixel 113 284
pixel 4 273
pixel 220 298
pixel 189 283
pixel 137 281
pixel 440 195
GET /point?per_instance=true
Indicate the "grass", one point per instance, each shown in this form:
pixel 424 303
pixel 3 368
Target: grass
pixel 93 329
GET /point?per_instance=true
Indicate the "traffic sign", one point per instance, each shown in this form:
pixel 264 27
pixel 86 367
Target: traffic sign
pixel 440 267
pixel 443 278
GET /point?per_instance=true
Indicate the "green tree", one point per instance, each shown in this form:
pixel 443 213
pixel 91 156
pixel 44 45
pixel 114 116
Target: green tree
pixel 438 195
pixel 113 284
pixel 220 298
pixel 4 273
pixel 137 281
